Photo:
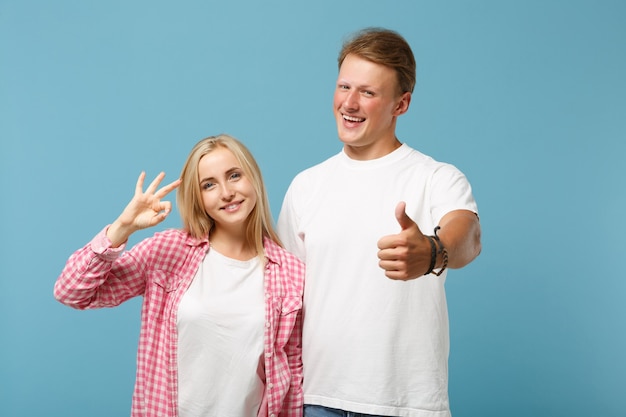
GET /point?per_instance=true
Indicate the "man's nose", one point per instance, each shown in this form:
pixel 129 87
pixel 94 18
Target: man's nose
pixel 351 101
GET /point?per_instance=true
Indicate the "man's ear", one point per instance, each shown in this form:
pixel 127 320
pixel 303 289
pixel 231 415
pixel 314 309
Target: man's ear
pixel 403 104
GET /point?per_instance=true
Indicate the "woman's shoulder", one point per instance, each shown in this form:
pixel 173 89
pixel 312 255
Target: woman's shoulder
pixel 284 259
pixel 278 253
pixel 172 240
pixel 176 235
pixel 171 234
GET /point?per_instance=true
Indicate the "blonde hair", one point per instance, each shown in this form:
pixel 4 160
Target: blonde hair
pixel 384 47
pixel 189 199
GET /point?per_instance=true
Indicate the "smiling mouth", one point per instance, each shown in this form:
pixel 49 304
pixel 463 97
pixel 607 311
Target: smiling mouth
pixel 232 206
pixel 353 119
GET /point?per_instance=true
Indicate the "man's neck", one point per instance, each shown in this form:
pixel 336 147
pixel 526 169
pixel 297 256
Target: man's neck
pixel 370 152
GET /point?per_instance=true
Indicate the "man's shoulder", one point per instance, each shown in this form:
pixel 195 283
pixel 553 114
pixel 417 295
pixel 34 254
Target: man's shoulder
pixel 417 158
pixel 318 169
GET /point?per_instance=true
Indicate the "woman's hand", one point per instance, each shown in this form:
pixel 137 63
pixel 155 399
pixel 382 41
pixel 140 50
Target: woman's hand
pixel 146 209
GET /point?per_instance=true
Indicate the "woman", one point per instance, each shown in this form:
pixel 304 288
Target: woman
pixel 221 316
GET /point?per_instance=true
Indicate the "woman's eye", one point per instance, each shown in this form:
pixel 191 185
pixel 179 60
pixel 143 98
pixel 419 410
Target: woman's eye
pixel 207 185
pixel 235 176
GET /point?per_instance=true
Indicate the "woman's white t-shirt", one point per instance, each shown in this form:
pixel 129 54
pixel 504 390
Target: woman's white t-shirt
pixel 220 339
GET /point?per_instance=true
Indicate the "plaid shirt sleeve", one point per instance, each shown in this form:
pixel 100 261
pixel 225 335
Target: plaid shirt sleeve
pixel 97 275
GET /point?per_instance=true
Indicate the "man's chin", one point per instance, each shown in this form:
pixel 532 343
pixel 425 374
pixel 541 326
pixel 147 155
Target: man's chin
pixel 349 138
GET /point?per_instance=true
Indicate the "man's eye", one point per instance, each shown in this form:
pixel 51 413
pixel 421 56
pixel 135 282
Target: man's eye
pixel 368 93
pixel 343 87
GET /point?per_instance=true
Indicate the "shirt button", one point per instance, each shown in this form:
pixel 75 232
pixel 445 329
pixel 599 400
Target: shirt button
pixel 267 324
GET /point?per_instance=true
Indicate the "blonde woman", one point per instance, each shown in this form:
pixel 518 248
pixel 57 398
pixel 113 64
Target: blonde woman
pixel 222 300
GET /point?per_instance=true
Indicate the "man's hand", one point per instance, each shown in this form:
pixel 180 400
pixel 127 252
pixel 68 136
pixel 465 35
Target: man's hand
pixel 405 255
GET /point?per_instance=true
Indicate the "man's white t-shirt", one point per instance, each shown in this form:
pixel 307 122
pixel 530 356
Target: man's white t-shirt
pixel 371 344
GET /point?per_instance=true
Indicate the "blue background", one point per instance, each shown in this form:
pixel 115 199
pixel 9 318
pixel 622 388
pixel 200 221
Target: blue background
pixel 528 98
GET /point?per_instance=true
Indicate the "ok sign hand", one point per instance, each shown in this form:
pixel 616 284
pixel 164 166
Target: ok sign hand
pixel 146 209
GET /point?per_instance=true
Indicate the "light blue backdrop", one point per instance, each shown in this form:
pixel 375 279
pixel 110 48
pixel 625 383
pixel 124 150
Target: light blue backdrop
pixel 528 98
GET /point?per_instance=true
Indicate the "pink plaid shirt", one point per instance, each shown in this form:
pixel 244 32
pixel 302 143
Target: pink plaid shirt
pixel 161 269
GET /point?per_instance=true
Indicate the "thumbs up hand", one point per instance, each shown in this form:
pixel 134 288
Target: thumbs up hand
pixel 405 255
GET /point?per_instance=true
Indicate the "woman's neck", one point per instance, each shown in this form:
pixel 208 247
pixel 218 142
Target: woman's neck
pixel 235 247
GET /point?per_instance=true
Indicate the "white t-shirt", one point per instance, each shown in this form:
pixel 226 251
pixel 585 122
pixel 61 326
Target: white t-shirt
pixel 371 344
pixel 220 339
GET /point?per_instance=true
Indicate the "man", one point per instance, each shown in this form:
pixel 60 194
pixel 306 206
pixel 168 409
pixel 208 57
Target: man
pixel 378 225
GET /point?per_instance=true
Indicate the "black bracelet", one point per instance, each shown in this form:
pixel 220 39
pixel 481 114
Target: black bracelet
pixel 442 251
pixel 433 255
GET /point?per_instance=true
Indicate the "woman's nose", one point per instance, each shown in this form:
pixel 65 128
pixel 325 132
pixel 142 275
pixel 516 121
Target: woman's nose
pixel 227 193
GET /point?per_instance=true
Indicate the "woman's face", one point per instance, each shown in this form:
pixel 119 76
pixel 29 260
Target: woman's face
pixel 227 193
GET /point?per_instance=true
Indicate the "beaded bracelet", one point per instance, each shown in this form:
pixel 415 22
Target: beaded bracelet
pixel 442 250
pixel 433 255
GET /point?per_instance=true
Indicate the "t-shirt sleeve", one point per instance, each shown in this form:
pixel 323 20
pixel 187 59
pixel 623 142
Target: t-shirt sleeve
pixel 288 224
pixel 450 190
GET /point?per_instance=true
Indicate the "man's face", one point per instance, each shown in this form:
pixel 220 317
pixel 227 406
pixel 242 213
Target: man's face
pixel 366 104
